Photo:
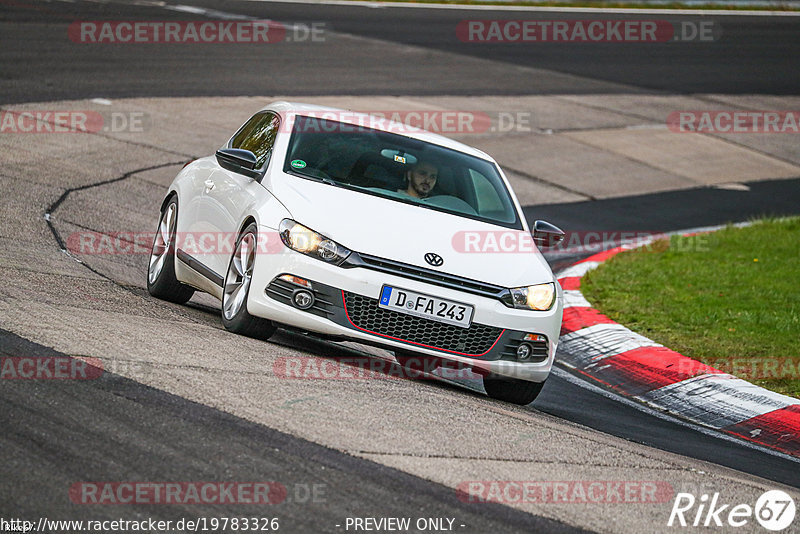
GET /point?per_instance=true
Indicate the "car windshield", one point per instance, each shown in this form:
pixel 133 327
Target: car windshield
pixel 399 168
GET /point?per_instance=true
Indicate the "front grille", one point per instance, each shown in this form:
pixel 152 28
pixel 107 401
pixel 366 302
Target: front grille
pixel 365 314
pixel 425 275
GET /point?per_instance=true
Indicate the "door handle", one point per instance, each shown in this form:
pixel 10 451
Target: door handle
pixel 209 185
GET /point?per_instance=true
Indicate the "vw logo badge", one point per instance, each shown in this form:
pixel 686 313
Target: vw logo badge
pixel 434 259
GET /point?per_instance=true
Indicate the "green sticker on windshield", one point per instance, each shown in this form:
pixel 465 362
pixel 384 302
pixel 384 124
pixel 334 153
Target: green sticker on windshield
pixel 298 164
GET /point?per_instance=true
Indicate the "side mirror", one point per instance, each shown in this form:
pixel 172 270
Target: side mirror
pixel 237 160
pixel 546 234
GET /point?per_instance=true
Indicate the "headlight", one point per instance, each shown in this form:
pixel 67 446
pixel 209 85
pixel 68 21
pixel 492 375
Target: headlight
pixel 297 237
pixel 539 297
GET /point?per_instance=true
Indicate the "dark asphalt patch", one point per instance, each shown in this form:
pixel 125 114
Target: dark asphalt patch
pixel 674 210
pixel 112 429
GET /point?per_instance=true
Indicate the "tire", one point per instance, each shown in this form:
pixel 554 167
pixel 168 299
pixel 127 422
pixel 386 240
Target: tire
pixel 161 281
pixel 511 390
pixel 236 290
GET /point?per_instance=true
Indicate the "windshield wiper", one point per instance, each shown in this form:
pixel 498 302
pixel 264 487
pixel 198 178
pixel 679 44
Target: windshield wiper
pixel 329 181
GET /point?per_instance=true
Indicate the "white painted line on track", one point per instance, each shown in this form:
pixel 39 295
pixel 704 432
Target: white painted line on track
pixel 221 15
pixel 541 9
pixel 211 13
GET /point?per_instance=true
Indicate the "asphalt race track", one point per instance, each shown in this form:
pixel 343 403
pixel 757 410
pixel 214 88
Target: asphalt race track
pixel 182 400
pixel 755 56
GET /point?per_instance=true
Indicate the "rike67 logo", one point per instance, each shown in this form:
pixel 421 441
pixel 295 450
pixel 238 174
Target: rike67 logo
pixel 774 510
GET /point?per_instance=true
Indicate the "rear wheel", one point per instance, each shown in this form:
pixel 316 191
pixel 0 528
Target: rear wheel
pixel 161 280
pixel 511 390
pixel 236 290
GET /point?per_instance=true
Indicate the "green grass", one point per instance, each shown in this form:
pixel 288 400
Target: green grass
pixel 730 298
pixel 630 4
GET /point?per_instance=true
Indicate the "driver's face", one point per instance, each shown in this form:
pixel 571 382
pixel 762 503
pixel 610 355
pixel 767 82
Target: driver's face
pixel 422 179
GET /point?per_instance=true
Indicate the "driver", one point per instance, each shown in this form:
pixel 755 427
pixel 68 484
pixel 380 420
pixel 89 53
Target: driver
pixel 421 179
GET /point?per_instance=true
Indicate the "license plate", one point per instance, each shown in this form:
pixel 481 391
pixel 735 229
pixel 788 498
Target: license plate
pixel 426 306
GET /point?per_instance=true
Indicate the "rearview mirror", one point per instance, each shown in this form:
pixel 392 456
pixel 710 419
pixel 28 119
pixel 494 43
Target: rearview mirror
pixel 399 156
pixel 237 160
pixel 546 234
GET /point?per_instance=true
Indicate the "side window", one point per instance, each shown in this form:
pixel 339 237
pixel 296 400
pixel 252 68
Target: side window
pixel 258 136
pixel 488 199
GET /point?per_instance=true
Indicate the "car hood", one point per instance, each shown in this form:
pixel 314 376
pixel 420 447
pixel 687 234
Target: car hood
pixel 402 232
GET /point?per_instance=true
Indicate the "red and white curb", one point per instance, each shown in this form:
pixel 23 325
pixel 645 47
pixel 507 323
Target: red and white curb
pixel 602 351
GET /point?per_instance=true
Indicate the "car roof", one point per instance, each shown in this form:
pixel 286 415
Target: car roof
pixel 357 118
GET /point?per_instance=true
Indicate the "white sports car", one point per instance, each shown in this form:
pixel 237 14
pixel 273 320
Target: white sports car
pixel 354 228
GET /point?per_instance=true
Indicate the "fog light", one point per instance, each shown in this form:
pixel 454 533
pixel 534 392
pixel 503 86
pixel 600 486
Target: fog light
pixel 302 299
pixel 524 351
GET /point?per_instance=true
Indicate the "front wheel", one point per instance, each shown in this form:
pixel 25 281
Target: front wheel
pixel 236 289
pixel 511 390
pixel 161 280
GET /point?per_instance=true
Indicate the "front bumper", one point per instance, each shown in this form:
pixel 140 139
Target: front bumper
pixel 346 308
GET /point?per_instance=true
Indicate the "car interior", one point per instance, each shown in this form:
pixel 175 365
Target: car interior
pixel 378 161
